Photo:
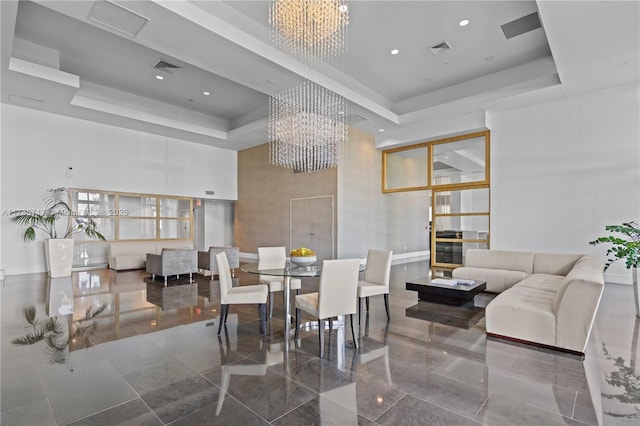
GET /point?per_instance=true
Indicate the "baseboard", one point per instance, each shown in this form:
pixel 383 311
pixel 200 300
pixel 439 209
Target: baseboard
pixel 618 278
pixel 538 345
pixel 396 258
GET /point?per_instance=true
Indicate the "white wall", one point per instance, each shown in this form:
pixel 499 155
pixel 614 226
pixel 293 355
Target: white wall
pixel 367 218
pixel 218 223
pixel 361 212
pixel 562 170
pixel 37 148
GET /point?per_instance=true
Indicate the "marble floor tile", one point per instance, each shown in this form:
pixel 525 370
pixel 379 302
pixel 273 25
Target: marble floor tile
pixel 550 373
pixel 132 413
pixel 167 366
pixel 411 411
pixel 179 397
pixel 87 389
pixel 264 391
pixel 322 411
pixel 36 412
pixel 508 411
pixel 231 413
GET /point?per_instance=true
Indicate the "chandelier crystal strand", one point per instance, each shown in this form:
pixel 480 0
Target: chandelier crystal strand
pixel 311 30
pixel 307 128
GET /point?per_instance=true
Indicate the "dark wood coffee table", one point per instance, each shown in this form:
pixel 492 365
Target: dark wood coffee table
pixel 458 294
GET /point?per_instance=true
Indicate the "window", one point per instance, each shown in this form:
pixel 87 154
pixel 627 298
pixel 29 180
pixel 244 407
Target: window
pixel 125 216
pixel 458 161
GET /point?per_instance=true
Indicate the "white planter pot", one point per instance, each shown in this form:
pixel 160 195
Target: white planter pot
pixel 59 254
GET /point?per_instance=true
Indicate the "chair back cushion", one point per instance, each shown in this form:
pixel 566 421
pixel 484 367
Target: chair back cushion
pixel 378 267
pixel 225 276
pixel 338 288
pixel 271 257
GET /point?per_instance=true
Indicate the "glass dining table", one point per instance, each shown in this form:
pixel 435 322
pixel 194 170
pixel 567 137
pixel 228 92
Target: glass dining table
pixel 289 271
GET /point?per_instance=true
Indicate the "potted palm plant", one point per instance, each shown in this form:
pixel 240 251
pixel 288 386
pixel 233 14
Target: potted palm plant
pixel 627 248
pixel 59 243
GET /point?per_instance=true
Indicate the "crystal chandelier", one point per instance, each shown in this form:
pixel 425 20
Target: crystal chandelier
pixel 308 123
pixel 307 128
pixel 311 30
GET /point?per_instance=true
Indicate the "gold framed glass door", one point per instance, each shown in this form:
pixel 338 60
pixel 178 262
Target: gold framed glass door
pixel 460 220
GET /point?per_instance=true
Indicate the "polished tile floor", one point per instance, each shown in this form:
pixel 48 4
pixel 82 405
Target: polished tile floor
pixel 154 358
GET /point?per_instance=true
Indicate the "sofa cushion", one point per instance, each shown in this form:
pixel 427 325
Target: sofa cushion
pixel 499 259
pixel 545 282
pixel 523 313
pixel 497 280
pixel 554 263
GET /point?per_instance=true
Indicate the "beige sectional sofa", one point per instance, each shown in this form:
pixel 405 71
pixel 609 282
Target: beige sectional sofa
pixel 133 254
pixel 549 299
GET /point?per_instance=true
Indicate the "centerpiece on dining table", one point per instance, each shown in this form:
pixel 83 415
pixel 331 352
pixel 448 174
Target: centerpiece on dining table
pixel 303 256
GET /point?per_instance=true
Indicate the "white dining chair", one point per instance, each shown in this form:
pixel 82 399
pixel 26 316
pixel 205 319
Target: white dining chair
pixel 247 294
pixel 376 279
pixel 336 295
pixel 275 258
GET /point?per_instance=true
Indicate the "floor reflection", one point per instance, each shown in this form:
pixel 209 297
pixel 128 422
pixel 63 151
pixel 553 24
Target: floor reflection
pixel 155 358
pixel 623 380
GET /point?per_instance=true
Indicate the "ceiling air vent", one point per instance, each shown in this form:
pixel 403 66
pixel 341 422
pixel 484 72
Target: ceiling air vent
pixel 165 66
pixel 521 25
pixel 436 48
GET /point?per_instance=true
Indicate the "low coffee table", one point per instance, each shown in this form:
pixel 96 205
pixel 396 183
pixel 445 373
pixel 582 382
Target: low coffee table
pixel 457 294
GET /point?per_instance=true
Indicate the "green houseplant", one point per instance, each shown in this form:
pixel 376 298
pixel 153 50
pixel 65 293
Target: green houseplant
pixel 625 247
pixel 59 243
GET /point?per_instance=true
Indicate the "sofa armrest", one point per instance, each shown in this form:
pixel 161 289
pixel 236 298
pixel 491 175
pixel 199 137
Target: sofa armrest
pixel 204 260
pixel 576 303
pixel 154 263
pixel 576 312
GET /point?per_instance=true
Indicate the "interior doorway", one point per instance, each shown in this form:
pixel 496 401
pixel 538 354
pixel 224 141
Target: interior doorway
pixel 312 225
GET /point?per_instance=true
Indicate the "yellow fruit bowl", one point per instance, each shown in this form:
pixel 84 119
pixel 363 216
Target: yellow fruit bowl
pixel 304 260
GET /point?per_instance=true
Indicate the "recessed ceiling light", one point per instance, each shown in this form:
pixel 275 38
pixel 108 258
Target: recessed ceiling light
pixel 463 23
pixel 206 93
pixel 395 51
pixel 159 77
pixel 381 130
